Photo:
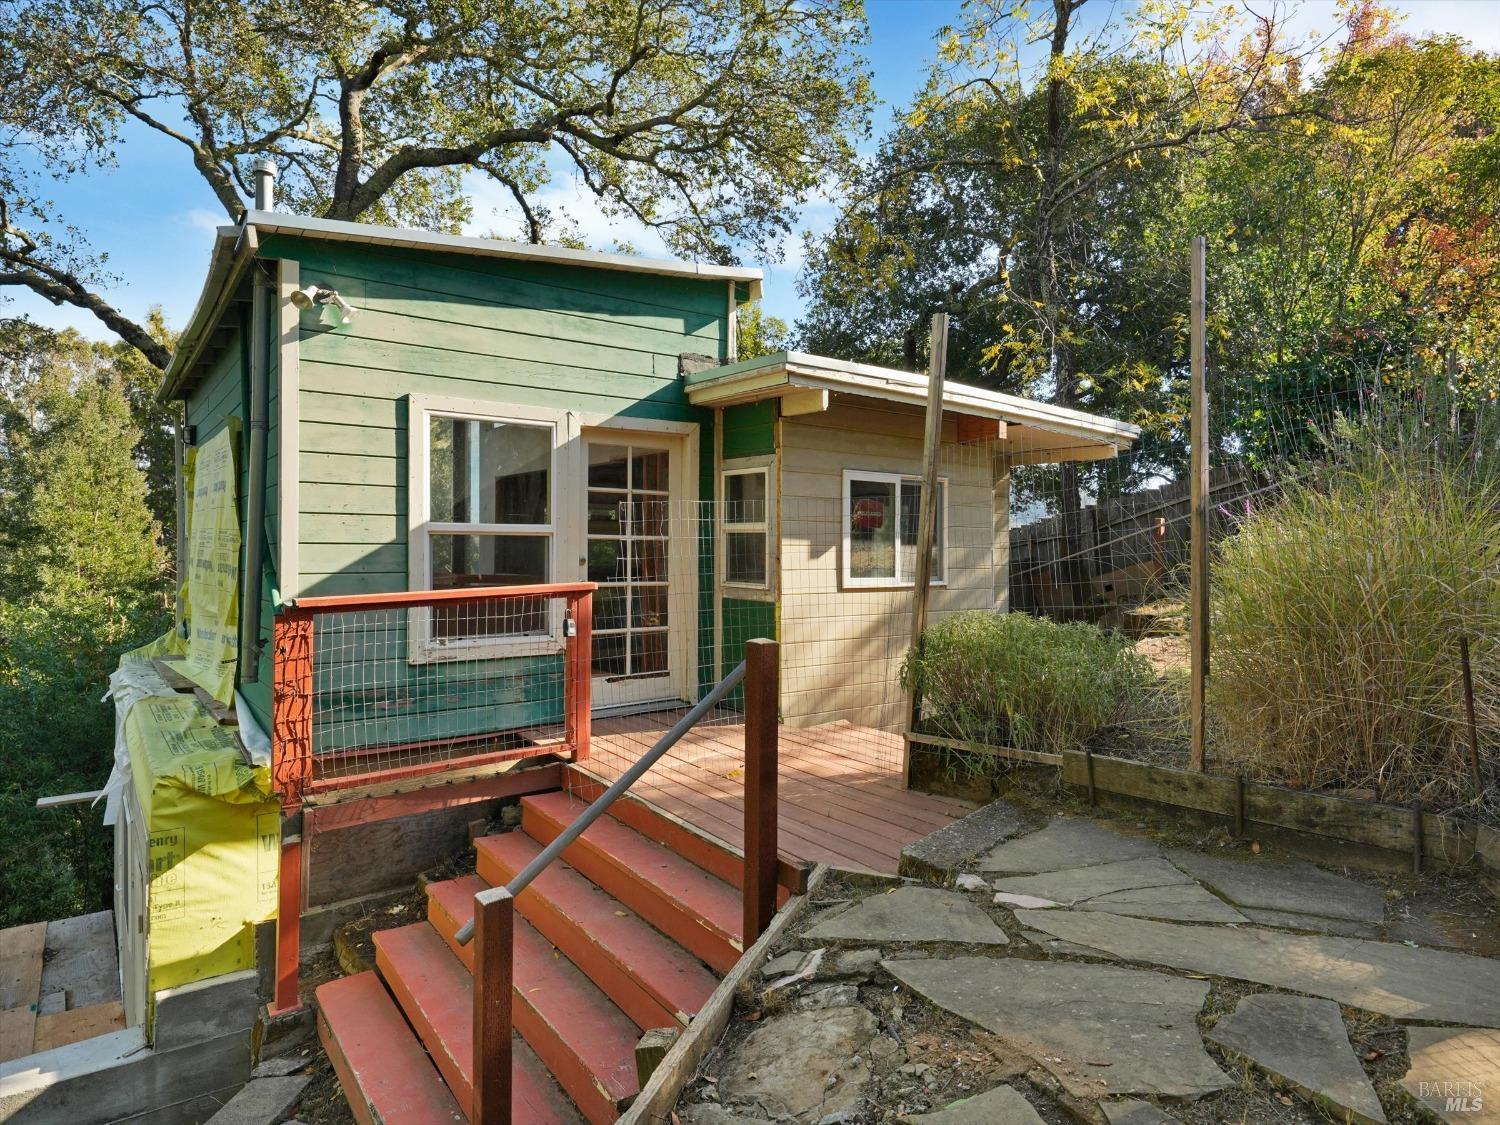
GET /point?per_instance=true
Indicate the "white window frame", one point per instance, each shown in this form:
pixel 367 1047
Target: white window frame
pixel 422 647
pixel 738 467
pixel 894 582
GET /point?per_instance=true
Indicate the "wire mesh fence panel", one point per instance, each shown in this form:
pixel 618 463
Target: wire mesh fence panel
pixel 1353 532
pixel 403 684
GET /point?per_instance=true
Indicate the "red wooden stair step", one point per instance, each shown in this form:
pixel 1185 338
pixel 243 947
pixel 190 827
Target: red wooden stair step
pixel 385 1074
pixel 437 994
pixel 655 981
pixel 698 911
pixel 583 1038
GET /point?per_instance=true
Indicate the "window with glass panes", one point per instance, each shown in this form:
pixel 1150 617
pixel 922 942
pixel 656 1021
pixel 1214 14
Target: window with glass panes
pixel 489 522
pixel 882 514
pixel 746 532
pixel 628 550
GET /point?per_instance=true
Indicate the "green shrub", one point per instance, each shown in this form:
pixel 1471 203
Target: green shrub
pixel 1026 682
pixel 1336 616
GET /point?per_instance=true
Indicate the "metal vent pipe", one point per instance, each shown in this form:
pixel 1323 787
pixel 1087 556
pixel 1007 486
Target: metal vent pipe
pixel 264 171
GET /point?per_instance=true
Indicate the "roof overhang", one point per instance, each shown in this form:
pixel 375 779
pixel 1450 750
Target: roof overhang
pixel 234 246
pixel 1035 431
pixel 233 250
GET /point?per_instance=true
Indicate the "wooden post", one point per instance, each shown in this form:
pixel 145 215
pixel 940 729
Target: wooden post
pixel 289 919
pixel 494 942
pixel 762 690
pixel 291 705
pixel 937 365
pixel 1476 775
pixel 578 676
pixel 1198 513
pixel 291 769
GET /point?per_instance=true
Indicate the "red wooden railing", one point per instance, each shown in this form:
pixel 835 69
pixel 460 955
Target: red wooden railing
pixel 493 928
pixel 296 760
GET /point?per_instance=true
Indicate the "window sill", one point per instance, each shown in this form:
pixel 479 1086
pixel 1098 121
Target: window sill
pixel 426 652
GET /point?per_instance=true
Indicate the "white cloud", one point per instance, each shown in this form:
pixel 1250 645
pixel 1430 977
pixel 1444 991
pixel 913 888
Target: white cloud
pixel 200 218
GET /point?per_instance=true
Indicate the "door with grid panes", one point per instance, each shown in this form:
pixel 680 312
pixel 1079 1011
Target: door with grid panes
pixel 630 555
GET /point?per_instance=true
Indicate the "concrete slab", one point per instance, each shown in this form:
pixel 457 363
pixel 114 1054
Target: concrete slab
pixel 1133 1111
pixel 1028 902
pixel 1190 903
pixel 911 914
pixel 804 1064
pixel 1056 945
pixel 1074 885
pixel 263 1101
pixel 1455 1073
pixel 1312 923
pixel 943 852
pixel 1141 888
pixel 1098 1029
pixel 1394 980
pixel 1066 842
pixel 1299 888
pixel 1303 1042
pixel 1001 1106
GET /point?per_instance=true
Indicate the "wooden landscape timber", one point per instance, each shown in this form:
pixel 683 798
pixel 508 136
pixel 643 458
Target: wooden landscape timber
pixel 653 1105
pixel 1389 834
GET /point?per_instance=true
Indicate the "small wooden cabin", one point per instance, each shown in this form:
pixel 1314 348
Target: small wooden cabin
pixel 469 411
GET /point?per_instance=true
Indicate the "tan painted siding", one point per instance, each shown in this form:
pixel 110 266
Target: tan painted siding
pixel 842 648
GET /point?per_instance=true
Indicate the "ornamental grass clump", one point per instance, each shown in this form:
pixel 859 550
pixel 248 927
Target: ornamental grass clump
pixel 1025 682
pixel 1336 618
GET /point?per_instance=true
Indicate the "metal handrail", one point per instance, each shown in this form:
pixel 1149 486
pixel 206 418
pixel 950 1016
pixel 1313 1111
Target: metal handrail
pixel 602 803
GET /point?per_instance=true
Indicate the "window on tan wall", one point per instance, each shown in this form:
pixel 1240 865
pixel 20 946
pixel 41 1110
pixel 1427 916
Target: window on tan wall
pixel 747 538
pixel 882 513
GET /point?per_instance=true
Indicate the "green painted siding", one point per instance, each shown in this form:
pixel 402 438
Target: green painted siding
pixel 599 342
pixel 750 430
pixel 743 620
pixel 221 394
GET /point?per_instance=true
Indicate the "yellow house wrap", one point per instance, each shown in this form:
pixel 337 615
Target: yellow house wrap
pixel 212 827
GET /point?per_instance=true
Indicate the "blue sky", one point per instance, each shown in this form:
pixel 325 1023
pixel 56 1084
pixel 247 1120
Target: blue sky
pixel 154 217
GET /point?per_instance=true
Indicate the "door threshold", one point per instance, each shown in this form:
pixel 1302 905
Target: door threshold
pixel 639 707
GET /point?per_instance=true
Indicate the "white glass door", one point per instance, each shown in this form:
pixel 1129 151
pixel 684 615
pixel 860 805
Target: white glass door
pixel 629 555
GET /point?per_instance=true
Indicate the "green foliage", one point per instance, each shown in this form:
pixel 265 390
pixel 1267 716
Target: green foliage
pixel 1336 618
pixel 82 578
pixel 760 334
pixel 1010 679
pixel 706 120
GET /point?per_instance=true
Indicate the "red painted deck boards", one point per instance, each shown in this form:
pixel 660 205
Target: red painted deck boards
pixel 841 796
pixel 690 906
pixel 655 981
pixel 437 994
pixel 583 1038
pixel 385 1074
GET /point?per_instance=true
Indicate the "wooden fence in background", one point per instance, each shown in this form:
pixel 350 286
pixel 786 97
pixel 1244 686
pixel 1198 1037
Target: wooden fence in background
pixel 1124 550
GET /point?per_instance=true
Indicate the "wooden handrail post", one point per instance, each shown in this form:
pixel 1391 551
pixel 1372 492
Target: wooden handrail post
pixel 291 769
pixel 494 945
pixel 580 674
pixel 762 694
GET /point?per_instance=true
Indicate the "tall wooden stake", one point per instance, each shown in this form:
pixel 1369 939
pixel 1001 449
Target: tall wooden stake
pixel 937 365
pixel 1198 513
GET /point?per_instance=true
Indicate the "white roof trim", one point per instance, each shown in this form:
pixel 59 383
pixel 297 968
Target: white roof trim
pixel 764 376
pixel 275 222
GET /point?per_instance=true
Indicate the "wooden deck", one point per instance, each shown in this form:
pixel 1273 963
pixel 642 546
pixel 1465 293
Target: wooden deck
pixel 841 797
